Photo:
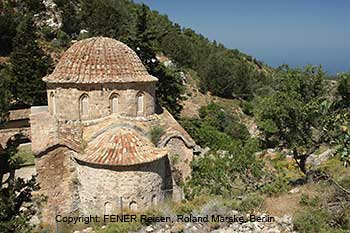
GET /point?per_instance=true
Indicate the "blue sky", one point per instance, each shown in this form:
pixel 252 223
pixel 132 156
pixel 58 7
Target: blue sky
pixel 296 32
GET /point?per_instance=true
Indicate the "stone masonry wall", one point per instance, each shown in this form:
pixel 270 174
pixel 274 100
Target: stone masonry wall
pixel 57 179
pixel 19 114
pixel 140 186
pixel 67 99
pixel 181 157
pixel 6 134
pixel 43 129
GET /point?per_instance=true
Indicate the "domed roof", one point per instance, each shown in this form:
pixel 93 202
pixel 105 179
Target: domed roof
pixel 99 60
pixel 121 146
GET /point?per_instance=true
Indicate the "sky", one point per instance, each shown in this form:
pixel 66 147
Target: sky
pixel 294 32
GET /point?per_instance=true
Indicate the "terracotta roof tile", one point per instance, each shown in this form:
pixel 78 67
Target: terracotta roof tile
pixel 99 60
pixel 121 146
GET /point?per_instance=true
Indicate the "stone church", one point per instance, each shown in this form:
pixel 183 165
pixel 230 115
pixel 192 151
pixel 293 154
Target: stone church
pixel 94 153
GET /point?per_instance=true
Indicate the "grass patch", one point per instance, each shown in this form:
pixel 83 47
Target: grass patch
pixel 26 155
pixel 120 227
pixel 334 167
pixel 321 149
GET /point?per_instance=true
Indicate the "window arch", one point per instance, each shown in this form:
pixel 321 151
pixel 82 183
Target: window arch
pixel 114 103
pixel 140 102
pixel 154 200
pixel 84 105
pixel 108 208
pixel 133 206
pixel 53 103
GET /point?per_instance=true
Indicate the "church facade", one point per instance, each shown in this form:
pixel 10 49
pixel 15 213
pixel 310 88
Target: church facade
pixel 93 147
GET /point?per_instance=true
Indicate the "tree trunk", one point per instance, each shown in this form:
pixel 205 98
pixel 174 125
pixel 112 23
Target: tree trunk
pixel 300 160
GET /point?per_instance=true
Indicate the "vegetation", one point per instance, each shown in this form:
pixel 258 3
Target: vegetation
pixel 14 192
pixel 156 133
pixel 319 215
pixel 4 100
pixel 298 112
pixel 24 75
pixel 169 87
pixel 25 154
pixel 291 113
pixel 216 128
pixel 232 167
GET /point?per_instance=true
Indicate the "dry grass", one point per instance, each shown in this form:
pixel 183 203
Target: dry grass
pixel 195 100
pixel 289 203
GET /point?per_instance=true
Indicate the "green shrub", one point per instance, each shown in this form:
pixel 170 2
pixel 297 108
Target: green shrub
pixel 216 128
pixel 47 32
pixel 175 159
pixel 247 108
pixel 313 221
pixel 121 227
pixel 63 38
pixel 278 185
pixel 251 202
pixel 224 172
pixel 309 201
pixel 237 131
pixel 156 133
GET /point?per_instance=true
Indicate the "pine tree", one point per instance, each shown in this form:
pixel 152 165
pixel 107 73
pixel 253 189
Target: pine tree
pixel 29 64
pixel 8 24
pixel 105 17
pixel 169 86
pixel 32 6
pixel 7 32
pixel 70 20
pixel 4 100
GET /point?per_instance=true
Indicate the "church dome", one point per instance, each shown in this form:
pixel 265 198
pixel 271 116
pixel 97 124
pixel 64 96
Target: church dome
pixel 121 146
pixel 99 60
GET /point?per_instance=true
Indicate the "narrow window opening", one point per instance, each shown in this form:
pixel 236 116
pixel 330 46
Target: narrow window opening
pixel 140 104
pixel 108 208
pixel 133 206
pixel 154 200
pixel 114 104
pixel 53 103
pixel 84 102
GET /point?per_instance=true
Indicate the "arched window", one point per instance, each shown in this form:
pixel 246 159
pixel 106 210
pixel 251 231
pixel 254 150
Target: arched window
pixel 114 102
pixel 154 200
pixel 53 103
pixel 108 208
pixel 140 104
pixel 133 206
pixel 84 105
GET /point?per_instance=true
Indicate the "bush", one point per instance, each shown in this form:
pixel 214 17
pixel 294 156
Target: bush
pixel 216 128
pixel 314 221
pixel 237 131
pixel 225 172
pixel 247 108
pixel 251 202
pixel 278 185
pixel 156 133
pixel 121 227
pixel 309 201
pixel 63 38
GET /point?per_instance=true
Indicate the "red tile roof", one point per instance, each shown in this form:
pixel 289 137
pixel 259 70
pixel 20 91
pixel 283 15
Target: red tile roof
pixel 99 60
pixel 121 146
